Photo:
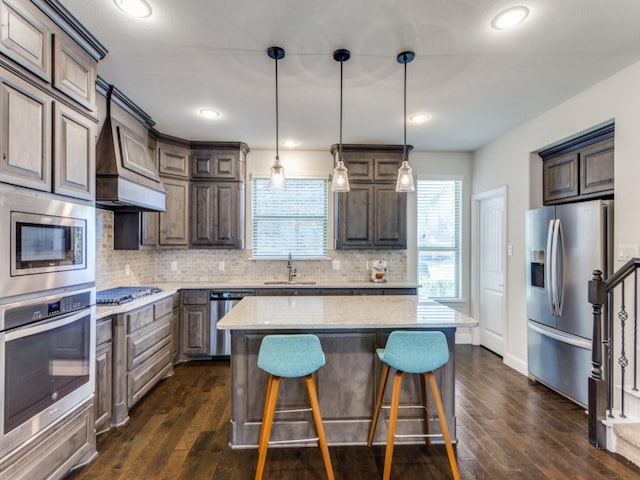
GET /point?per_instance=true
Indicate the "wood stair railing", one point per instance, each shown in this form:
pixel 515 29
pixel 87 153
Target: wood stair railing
pixel 601 381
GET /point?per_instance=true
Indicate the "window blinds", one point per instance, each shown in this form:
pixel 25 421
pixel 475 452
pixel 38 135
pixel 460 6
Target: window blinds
pixel 293 220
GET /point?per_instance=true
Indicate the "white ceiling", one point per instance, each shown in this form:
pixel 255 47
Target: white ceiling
pixel 476 82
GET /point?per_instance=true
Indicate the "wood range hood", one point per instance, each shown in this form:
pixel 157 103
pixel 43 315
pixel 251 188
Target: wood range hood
pixel 126 175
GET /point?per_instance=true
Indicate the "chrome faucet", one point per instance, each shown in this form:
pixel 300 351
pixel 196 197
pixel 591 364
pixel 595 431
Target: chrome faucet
pixel 292 271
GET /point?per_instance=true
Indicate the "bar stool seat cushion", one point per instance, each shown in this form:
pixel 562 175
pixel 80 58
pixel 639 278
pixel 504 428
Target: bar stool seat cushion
pixel 415 352
pixel 290 356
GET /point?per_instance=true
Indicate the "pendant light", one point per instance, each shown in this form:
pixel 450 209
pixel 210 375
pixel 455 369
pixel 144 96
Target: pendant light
pixel 340 181
pixel 405 174
pixel 276 179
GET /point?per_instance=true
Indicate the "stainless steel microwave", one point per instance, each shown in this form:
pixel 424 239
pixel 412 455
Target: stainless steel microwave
pixel 49 243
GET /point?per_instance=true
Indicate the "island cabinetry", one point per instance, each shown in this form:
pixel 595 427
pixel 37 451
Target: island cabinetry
pixel 347 389
pixel 49 67
pixel 143 354
pixel 581 169
pixel 372 215
pixel 195 328
pixel 103 403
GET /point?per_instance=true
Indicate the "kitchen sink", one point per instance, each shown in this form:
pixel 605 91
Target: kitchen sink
pixel 292 282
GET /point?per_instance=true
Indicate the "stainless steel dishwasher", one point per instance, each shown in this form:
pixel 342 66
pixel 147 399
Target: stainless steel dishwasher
pixel 221 302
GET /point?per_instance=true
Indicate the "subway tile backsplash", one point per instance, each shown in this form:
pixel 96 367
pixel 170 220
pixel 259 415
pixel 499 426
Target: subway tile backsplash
pixel 122 267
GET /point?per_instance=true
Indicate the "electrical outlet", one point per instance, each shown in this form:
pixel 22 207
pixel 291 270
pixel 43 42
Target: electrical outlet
pixel 335 264
pixel 221 266
pixel 174 265
pixel 626 251
pixel 127 270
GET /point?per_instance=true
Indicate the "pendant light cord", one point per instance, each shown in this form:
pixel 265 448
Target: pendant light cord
pixel 340 145
pixel 404 148
pixel 277 141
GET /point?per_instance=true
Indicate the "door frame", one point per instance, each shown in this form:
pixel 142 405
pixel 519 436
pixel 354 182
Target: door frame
pixel 475 259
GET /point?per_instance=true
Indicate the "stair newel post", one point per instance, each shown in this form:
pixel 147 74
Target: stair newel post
pixel 597 385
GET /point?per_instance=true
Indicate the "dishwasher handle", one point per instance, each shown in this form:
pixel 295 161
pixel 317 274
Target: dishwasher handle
pixel 230 295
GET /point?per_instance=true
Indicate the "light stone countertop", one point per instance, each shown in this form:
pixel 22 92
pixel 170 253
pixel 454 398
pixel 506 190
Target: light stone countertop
pixel 103 311
pixel 254 284
pixel 341 312
pixel 168 289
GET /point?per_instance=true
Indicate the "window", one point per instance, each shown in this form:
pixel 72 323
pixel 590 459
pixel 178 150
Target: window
pixel 293 220
pixel 439 203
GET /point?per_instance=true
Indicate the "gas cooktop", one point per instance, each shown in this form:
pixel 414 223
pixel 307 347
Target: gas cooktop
pixel 121 295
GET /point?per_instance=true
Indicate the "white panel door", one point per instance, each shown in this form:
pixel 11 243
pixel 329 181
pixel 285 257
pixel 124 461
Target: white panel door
pixel 492 302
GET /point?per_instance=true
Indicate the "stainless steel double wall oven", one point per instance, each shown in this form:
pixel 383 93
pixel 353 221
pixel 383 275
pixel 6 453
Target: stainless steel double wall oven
pixel 47 311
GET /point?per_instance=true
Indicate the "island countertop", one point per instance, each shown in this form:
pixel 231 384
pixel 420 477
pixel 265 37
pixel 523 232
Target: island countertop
pixel 342 312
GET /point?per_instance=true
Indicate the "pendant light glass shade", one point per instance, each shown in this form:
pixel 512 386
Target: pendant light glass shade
pixel 405 173
pixel 276 178
pixel 340 181
pixel 405 178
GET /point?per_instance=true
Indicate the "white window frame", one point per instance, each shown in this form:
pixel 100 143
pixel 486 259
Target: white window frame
pixel 284 255
pixel 458 248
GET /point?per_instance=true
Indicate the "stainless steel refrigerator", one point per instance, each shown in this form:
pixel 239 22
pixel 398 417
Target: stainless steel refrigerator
pixel 565 243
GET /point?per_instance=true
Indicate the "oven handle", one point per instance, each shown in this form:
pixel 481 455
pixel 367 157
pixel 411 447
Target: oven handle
pixel 48 324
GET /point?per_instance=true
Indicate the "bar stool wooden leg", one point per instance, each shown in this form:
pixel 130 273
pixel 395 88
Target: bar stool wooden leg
pixel 425 412
pixel 267 420
pixel 376 412
pixel 317 419
pixel 393 420
pixel 443 424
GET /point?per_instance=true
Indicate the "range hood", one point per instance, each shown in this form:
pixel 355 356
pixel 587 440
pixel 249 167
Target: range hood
pixel 126 176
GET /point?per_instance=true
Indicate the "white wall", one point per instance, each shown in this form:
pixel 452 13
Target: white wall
pixel 511 161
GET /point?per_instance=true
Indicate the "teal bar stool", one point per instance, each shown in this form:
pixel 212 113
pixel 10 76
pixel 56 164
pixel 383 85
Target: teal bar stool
pixel 290 356
pixel 412 352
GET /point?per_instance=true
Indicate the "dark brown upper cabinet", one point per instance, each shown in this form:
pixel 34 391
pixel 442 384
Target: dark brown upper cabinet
pixel 217 214
pixel 372 215
pixel 220 161
pixel 580 169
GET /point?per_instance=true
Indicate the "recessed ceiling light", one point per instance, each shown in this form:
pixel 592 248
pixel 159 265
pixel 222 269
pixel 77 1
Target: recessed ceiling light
pixel 290 143
pixel 209 113
pixel 134 8
pixel 419 117
pixel 510 17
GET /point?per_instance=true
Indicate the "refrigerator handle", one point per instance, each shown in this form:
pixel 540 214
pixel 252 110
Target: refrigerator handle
pixel 548 269
pixel 559 266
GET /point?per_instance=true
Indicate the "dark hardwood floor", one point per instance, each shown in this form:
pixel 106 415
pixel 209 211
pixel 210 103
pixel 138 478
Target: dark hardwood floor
pixel 508 428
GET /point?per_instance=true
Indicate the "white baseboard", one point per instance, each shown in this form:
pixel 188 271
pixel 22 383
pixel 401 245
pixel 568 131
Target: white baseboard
pixel 516 363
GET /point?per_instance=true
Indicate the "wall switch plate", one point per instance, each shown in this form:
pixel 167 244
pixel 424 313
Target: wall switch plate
pixel 221 266
pixel 127 269
pixel 510 250
pixel 335 264
pixel 174 265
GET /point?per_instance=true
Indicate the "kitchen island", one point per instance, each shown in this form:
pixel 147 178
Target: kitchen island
pixel 350 329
